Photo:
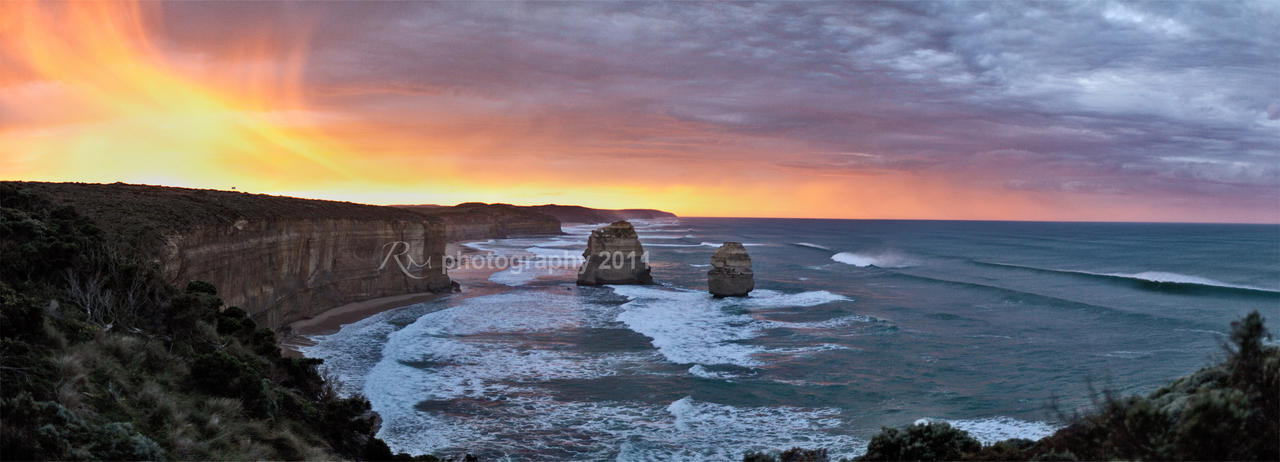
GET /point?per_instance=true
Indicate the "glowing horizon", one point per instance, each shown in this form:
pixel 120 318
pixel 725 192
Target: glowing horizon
pixel 622 108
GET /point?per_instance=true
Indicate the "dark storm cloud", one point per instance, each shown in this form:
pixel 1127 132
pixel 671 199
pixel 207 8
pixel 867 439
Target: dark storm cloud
pixel 1167 98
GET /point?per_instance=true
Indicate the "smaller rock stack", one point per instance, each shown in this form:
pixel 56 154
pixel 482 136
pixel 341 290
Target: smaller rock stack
pixel 731 275
pixel 614 256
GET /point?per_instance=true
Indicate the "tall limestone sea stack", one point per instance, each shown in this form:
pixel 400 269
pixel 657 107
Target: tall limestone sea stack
pixel 614 256
pixel 731 275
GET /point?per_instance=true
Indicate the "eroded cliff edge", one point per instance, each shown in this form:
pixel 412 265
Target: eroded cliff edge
pixel 476 220
pixel 281 259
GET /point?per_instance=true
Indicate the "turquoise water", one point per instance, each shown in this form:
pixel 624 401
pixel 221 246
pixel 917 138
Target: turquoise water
pixel 854 325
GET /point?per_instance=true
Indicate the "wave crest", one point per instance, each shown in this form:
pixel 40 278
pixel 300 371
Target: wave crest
pixel 1151 279
pixel 886 260
pixel 993 429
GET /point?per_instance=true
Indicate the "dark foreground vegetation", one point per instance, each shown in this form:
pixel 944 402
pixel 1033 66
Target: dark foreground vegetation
pixel 1228 411
pixel 100 359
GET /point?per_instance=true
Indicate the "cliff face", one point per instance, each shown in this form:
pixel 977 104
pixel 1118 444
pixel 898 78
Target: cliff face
pixel 473 220
pixel 280 259
pixel 282 271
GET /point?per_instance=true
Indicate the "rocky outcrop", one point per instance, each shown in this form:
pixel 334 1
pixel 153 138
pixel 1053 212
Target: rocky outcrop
pixel 578 214
pixel 474 220
pixel 614 256
pixel 731 275
pixel 281 259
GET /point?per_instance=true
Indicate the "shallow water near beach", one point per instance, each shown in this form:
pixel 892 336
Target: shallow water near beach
pixel 854 325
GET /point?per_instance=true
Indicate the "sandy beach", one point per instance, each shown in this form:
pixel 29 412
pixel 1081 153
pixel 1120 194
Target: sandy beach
pixel 332 320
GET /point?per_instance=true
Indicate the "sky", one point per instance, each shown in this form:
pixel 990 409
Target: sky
pixel 1079 111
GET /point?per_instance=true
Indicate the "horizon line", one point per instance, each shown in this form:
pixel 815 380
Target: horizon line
pixel 1264 223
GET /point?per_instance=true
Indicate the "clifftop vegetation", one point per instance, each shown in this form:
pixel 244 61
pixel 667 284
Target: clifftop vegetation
pixel 142 212
pixel 101 360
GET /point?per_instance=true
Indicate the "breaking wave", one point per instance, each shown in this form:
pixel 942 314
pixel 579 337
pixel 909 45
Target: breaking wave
pixel 887 260
pixel 1156 280
pixel 813 246
pixel 993 429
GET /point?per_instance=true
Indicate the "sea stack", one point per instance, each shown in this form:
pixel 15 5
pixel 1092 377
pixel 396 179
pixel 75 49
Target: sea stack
pixel 731 275
pixel 614 256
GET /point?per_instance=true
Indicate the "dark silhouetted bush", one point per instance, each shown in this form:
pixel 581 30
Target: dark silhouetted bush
pixel 928 441
pixel 790 455
pixel 189 308
pixel 45 430
pixel 1229 411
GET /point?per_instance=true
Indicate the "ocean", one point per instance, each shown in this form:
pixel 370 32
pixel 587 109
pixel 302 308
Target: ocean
pixel 854 325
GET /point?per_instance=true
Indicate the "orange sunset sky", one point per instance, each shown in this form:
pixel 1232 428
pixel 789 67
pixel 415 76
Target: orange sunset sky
pixel 1128 112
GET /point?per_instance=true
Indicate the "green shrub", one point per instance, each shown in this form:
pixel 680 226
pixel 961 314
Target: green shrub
pixel 220 374
pixel 201 287
pixel 53 432
pixel 927 441
pixel 193 306
pixel 790 455
pixel 1229 411
pixel 1012 449
pixel 804 455
pixel 1213 425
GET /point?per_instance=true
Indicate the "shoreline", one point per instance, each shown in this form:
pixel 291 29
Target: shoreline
pixel 298 333
pixel 331 320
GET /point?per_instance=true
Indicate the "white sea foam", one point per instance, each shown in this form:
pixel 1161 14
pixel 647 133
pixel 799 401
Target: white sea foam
pixel 1203 331
pixel 655 223
pixel 473 376
pixel 688 327
pixel 862 260
pixel 561 242
pixel 993 429
pixel 561 254
pixel 1124 354
pixel 579 230
pixel 662 236
pixel 718 244
pixel 844 321
pixel 517 275
pixel 691 327
pixel 482 349
pixel 1176 278
pixel 699 370
pixel 764 298
pixel 352 351
pixel 481 246
pixel 813 246
pixel 684 430
pixel 711 431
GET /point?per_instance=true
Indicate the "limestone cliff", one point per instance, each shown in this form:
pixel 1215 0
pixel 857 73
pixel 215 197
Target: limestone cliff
pixel 614 256
pixel 473 220
pixel 731 274
pixel 579 214
pixel 281 259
